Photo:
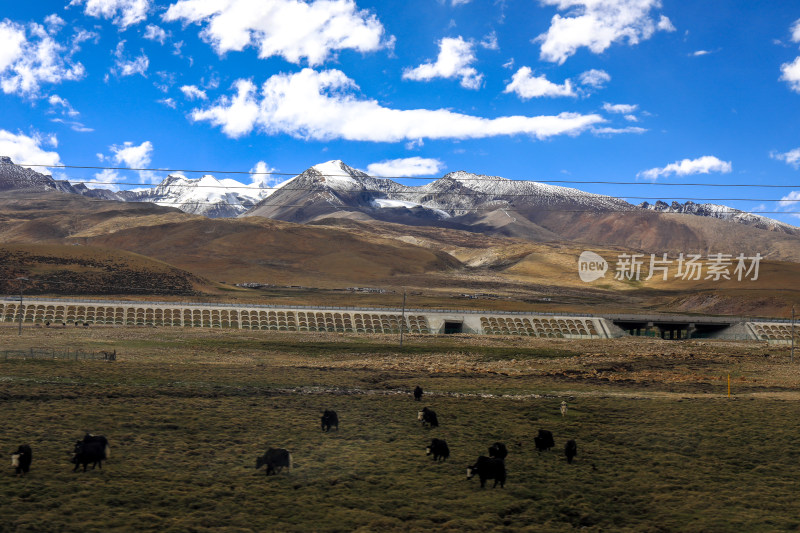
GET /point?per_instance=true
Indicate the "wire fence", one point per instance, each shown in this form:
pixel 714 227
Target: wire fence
pixel 62 354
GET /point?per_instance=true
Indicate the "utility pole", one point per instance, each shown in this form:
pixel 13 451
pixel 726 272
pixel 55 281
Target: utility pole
pixel 403 321
pixel 792 356
pixel 19 311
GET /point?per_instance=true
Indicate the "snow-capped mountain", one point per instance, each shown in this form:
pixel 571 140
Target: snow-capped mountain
pixel 460 200
pixel 329 188
pixel 15 177
pixel 207 196
pixel 721 212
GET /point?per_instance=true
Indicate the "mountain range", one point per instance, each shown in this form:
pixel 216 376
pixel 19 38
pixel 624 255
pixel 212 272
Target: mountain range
pixel 511 245
pixel 460 200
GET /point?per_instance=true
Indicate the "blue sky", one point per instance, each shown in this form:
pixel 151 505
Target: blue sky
pixel 586 90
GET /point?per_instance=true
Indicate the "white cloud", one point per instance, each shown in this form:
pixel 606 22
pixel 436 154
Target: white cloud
pixel 796 31
pixel 73 125
pixel 454 60
pixel 262 175
pixel 409 166
pixel 631 118
pixel 169 102
pixel 288 28
pixel 155 33
pixel 54 23
pixel 595 78
pixel 128 67
pixel 490 41
pixel 459 2
pixel 123 13
pixel 105 179
pixel 527 86
pixel 28 62
pixel 616 131
pixel 664 24
pixel 685 167
pixel 626 109
pixel 24 149
pixel 61 104
pixel 596 24
pixel 790 200
pixel 82 35
pixel 790 72
pixel 322 106
pixel 792 157
pixel 132 156
pixel 12 40
pixel 698 53
pixel 193 93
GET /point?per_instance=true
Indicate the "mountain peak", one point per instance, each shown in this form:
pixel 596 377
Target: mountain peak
pixel 5 160
pixel 336 173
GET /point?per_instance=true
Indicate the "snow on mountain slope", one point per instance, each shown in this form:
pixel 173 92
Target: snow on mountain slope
pixel 15 177
pixel 386 203
pixel 519 191
pixel 206 196
pixel 722 212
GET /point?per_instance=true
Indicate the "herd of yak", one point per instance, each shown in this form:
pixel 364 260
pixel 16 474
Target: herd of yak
pixel 94 449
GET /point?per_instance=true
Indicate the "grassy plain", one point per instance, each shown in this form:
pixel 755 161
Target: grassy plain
pixel 660 445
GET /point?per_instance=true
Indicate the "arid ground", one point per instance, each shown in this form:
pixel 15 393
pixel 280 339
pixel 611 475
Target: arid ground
pixel 661 445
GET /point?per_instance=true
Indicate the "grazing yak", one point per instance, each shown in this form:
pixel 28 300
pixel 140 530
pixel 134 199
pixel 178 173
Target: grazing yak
pixel 488 468
pixel 571 450
pixel 428 417
pixel 102 440
pixel 88 452
pixel 275 459
pixel 498 451
pixel 544 441
pixel 418 393
pixel 330 418
pixel 563 409
pixel 439 449
pixel 21 460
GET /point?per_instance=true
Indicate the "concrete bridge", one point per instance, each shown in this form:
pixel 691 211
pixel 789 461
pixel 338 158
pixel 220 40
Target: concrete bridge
pixel 298 318
pixel 385 320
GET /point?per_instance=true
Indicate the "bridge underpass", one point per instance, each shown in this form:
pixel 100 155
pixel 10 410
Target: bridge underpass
pixel 673 327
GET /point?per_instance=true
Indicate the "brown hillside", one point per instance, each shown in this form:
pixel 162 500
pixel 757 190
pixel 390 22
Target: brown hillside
pixel 84 270
pixel 438 267
pixel 281 253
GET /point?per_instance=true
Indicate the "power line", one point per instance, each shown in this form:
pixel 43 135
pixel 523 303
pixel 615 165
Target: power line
pixel 476 178
pixel 450 193
pixel 633 208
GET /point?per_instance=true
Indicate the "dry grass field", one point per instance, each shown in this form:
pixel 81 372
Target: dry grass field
pixel 661 447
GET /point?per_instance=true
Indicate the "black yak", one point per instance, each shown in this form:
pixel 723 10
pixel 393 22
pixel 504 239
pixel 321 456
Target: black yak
pixel 21 460
pixel 544 441
pixel 488 468
pixel 330 418
pixel 428 417
pixel 571 450
pixel 498 451
pixel 275 459
pixel 439 449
